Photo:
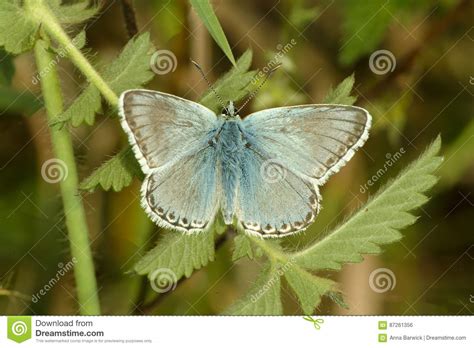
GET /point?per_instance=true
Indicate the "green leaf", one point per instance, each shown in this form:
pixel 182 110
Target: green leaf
pixel 180 253
pixel 17 31
pixel 83 109
pixel 115 174
pixel 7 69
pixel 342 93
pixel 263 298
pixel 337 298
pixel 205 11
pixel 243 247
pixel 131 69
pixel 308 288
pixel 364 26
pixel 379 221
pixel 74 13
pixel 233 85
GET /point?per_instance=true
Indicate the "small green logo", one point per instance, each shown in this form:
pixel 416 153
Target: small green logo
pixel 19 328
pixel 382 325
pixel 316 322
pixel 382 337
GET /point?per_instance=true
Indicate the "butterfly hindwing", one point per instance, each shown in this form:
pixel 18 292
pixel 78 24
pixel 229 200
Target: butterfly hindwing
pixel 170 138
pixel 272 200
pixel 314 140
pixel 184 196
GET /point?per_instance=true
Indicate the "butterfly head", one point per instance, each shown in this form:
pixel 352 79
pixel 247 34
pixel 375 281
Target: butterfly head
pixel 229 111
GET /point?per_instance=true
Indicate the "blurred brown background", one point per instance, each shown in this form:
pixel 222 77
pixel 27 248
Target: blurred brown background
pixel 428 91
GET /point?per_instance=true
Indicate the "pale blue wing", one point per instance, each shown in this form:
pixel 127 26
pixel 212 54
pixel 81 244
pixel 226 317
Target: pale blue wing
pixel 184 195
pixel 272 200
pixel 170 138
pixel 312 140
pixel 162 127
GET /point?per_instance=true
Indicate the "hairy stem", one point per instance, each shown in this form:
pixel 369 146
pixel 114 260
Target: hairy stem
pixel 73 208
pixel 39 12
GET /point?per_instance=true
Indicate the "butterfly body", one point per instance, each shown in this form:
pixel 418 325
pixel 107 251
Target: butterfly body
pixel 229 146
pixel 262 171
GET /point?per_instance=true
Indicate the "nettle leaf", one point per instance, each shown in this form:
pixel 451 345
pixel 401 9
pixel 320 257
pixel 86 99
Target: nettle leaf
pixel 229 85
pixel 243 247
pixel 308 288
pixel 233 85
pixel 364 26
pixel 115 174
pixel 83 109
pixel 264 297
pixel 180 253
pixel 74 13
pixel 378 222
pixel 131 69
pixel 342 93
pixel 206 13
pixel 17 31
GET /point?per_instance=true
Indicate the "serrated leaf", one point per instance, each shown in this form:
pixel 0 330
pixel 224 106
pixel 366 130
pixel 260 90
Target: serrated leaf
pixel 17 31
pixel 342 93
pixel 263 298
pixel 115 174
pixel 364 26
pixel 206 13
pixel 73 13
pixel 233 85
pixel 243 247
pixel 337 298
pixel 131 69
pixel 378 222
pixel 308 288
pixel 180 253
pixel 83 109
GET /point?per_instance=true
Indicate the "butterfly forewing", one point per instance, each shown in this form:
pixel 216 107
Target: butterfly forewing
pixel 163 127
pixel 314 140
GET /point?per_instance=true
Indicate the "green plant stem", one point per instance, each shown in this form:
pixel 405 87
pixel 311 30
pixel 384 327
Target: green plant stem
pixel 73 208
pixel 40 13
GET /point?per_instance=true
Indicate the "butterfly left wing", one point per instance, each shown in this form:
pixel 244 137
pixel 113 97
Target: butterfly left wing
pixel 313 140
pixel 170 138
pixel 184 196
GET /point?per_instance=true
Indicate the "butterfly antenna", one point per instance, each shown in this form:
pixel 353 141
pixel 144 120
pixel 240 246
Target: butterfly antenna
pixel 255 91
pixel 209 83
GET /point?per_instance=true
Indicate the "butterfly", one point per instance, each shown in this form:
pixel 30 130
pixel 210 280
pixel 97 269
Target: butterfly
pixel 261 172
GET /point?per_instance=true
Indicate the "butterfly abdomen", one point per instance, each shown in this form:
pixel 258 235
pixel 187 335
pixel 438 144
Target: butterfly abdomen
pixel 230 147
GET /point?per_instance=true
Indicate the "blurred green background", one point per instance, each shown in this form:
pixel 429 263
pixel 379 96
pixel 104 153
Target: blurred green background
pixel 425 90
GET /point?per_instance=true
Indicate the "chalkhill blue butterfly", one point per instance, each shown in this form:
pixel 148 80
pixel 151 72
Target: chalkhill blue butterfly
pixel 262 172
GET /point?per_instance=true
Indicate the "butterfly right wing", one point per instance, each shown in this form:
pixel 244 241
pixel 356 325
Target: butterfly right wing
pixel 162 127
